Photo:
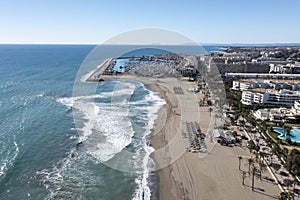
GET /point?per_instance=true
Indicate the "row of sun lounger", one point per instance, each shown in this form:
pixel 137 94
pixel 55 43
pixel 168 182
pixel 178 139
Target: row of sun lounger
pixel 196 138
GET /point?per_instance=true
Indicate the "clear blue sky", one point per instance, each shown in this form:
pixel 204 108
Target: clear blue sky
pixel 94 21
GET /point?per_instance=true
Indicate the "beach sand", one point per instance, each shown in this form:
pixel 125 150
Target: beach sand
pixel 214 177
pixel 182 174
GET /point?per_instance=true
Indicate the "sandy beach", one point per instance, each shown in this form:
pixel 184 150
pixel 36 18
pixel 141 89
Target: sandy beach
pixel 214 177
pixel 184 175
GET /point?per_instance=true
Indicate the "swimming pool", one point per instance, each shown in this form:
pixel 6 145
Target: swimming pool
pixel 295 133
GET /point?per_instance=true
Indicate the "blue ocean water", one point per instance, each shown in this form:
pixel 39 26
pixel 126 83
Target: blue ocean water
pixel 39 153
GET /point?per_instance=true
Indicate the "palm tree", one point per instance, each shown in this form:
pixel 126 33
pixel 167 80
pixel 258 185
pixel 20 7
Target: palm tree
pixel 264 125
pixel 240 160
pixel 284 196
pixel 288 183
pixel 210 110
pixel 262 168
pixel 242 123
pixel 254 170
pixel 287 130
pixel 273 152
pixel 244 176
pixel 257 148
pixel 251 146
pixel 262 154
pixel 295 182
pixel 250 162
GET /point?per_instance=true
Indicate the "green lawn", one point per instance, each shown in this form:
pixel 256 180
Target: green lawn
pixel 273 134
pixel 293 125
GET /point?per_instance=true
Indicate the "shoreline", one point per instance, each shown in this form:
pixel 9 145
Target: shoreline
pixel 158 141
pixel 162 124
pixel 215 176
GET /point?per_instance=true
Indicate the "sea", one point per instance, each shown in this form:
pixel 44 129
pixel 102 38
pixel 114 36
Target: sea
pixel 52 146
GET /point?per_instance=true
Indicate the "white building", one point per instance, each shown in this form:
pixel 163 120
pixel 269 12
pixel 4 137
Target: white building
pixel 274 114
pixel 259 83
pixel 261 75
pixel 253 96
pixel 285 69
pixel 227 135
pixel 282 97
pixel 296 108
pixel 250 84
pixel 269 96
pixel 262 114
pixel 242 85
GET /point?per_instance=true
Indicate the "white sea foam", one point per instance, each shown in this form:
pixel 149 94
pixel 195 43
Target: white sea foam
pixel 9 160
pixel 143 191
pixel 69 101
pixel 107 129
pixel 69 178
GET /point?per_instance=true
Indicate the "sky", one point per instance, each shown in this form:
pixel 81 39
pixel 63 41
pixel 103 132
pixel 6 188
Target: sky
pixel 95 21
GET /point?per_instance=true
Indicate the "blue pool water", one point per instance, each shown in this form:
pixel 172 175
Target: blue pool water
pixel 295 133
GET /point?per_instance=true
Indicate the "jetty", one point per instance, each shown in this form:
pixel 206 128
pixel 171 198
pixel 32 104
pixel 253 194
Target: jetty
pixel 96 76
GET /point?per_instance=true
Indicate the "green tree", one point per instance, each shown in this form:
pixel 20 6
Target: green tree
pixel 242 123
pixel 287 130
pixel 262 154
pixel 262 168
pixel 273 152
pixel 295 182
pixel 286 196
pixel 264 126
pixel 256 148
pixel 293 162
pixel 251 146
pixel 288 183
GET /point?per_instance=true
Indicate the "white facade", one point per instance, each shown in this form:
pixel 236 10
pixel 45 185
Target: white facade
pixel 285 69
pixel 296 108
pixel 262 114
pixel 251 97
pixel 282 97
pixel 261 75
pixel 273 114
pixel 242 85
pixel 267 84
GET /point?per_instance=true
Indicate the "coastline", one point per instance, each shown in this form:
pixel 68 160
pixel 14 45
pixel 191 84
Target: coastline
pixel 188 176
pixel 161 181
pixel 161 130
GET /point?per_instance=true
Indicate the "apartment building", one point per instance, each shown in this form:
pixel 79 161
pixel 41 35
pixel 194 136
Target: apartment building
pixel 270 97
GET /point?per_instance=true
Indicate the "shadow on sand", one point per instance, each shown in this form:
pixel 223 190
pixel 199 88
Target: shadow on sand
pixel 261 191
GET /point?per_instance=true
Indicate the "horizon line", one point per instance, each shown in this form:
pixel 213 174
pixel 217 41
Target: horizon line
pixel 158 44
